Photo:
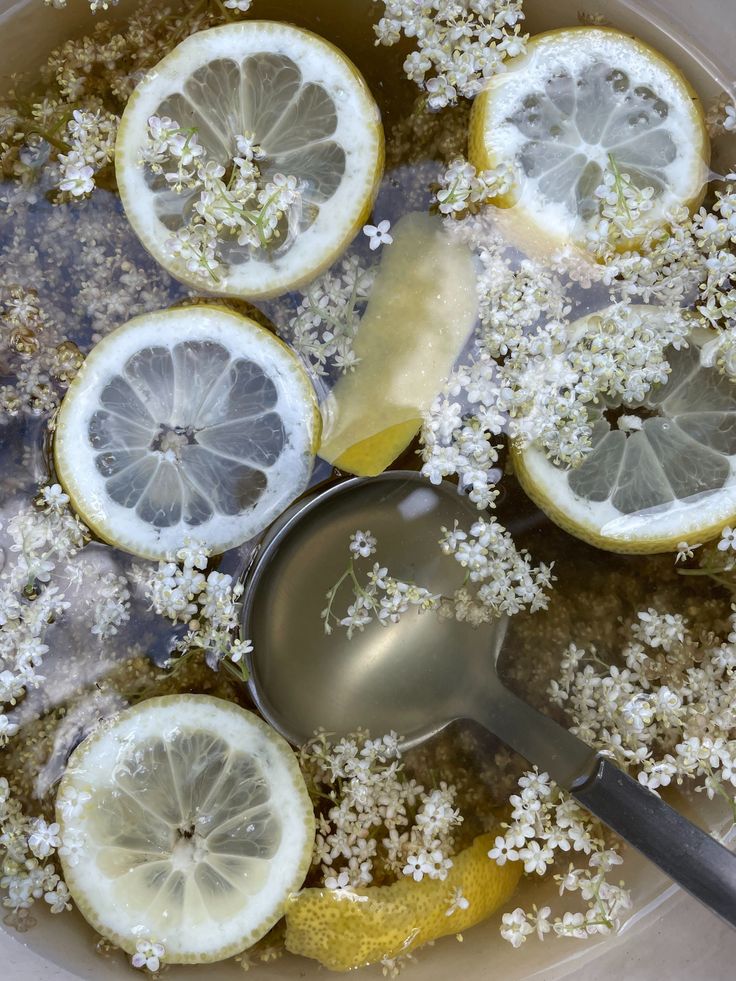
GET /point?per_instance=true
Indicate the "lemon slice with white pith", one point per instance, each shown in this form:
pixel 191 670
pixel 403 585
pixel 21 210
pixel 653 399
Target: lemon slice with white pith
pixel 313 117
pixel 582 101
pixel 659 473
pixel 186 423
pixel 185 821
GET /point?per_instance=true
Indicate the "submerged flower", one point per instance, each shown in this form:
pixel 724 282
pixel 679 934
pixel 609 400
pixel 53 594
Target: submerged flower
pixel 148 955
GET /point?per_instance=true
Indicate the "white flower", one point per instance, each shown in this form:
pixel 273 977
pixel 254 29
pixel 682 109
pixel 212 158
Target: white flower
pixel 239 649
pixel 378 234
pixel 457 901
pixel 54 497
pixel 536 858
pixel 540 919
pixel 362 544
pixel 43 838
pixel 685 551
pixel 503 851
pixel 7 728
pixel 71 802
pixel 571 925
pixel 729 122
pixel 414 867
pixel 148 955
pixel 78 180
pixel 240 5
pixel 340 881
pixel 728 539
pixel 515 927
pixel 72 845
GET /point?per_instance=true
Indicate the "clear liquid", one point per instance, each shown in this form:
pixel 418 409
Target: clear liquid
pixel 406 677
pixel 88 679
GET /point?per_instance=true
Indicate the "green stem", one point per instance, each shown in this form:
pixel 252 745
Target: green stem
pixel 619 185
pixel 227 14
pixel 45 134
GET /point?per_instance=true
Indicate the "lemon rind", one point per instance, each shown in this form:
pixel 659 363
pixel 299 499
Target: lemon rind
pixel 128 943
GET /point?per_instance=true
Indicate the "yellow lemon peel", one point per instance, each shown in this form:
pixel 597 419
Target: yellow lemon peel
pixel 347 929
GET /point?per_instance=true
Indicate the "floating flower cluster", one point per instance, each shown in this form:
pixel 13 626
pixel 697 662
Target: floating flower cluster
pixel 459 43
pixel 41 539
pixel 230 205
pixel 499 579
pixel 668 716
pixel 463 189
pixel 208 604
pixel 382 598
pixel 32 348
pixel 91 137
pixel 377 823
pixel 327 317
pixel 547 828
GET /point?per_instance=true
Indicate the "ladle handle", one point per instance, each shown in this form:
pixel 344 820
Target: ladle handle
pixel 689 856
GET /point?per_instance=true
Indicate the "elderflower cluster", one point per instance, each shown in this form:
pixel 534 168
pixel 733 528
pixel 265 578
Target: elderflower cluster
pixel 26 874
pixel 623 207
pixel 94 5
pixel 459 43
pixel 208 604
pixel 499 579
pixel 41 540
pixel 547 828
pixel 40 359
pixel 380 598
pixel 669 714
pixel 462 188
pixel 233 206
pixel 326 321
pixel 91 137
pixel 619 358
pixel 460 430
pixel 375 823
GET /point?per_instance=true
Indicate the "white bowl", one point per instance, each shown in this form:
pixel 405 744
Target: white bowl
pixel 669 935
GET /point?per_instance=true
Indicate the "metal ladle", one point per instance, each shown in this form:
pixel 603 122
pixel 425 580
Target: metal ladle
pixel 418 676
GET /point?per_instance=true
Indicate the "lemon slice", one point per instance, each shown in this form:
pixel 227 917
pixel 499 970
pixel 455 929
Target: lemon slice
pixel 192 422
pixel 184 821
pixel 344 929
pixel 311 113
pixel 422 309
pixel 577 100
pixel 659 473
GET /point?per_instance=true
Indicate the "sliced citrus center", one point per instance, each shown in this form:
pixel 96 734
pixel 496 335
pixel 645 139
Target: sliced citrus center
pixel 580 102
pixel 421 311
pixel 344 929
pixel 185 821
pixel 310 112
pixel 193 422
pixel 659 473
